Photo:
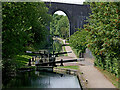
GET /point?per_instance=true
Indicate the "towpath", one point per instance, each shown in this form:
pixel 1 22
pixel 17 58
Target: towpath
pixel 94 77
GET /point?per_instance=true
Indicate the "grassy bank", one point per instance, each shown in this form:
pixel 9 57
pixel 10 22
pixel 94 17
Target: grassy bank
pixel 21 60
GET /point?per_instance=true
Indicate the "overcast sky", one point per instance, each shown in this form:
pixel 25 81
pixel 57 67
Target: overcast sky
pixel 66 1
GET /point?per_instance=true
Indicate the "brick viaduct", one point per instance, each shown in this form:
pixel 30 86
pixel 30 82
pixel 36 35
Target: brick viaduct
pixel 76 13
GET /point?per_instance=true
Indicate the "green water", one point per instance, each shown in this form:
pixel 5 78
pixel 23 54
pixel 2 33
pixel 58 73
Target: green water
pixel 38 79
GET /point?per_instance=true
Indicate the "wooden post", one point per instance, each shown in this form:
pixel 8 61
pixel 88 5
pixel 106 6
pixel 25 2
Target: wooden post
pixel 39 57
pixel 44 52
pixel 54 64
pixel 32 59
pixel 82 55
pixel 29 64
pixel 68 71
pixel 74 72
pixel 53 53
pixel 35 58
pixel 61 62
pixel 48 59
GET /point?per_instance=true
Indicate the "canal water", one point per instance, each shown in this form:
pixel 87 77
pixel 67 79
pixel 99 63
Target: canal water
pixel 39 79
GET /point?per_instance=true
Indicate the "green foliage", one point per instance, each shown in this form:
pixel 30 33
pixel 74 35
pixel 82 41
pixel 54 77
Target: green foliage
pixel 57 46
pixel 78 40
pixel 104 35
pixel 24 24
pixel 0 36
pixel 21 60
pixel 63 27
pixel 24 28
pixel 53 24
pixel 59 26
pixel 11 65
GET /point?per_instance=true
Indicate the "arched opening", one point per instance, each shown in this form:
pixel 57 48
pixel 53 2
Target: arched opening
pixel 60 25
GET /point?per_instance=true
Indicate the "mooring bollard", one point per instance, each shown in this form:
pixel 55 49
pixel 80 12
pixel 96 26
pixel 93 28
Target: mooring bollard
pixel 74 72
pixel 68 71
pixel 86 81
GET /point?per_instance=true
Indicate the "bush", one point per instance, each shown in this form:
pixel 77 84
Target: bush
pixel 104 35
pixel 78 41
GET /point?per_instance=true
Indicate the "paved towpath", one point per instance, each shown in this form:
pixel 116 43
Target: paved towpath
pixel 95 78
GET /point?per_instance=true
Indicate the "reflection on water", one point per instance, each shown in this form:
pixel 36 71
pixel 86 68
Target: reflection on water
pixel 37 79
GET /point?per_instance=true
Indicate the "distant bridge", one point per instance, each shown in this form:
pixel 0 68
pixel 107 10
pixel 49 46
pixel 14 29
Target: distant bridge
pixel 76 13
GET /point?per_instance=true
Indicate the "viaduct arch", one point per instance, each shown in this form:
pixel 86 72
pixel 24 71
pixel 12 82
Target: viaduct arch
pixel 76 13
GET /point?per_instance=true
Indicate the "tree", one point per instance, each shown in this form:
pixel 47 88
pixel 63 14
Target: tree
pixel 63 25
pixel 54 23
pixel 23 24
pixel 60 26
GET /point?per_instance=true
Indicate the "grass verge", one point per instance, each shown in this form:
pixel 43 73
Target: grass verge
pixel 69 67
